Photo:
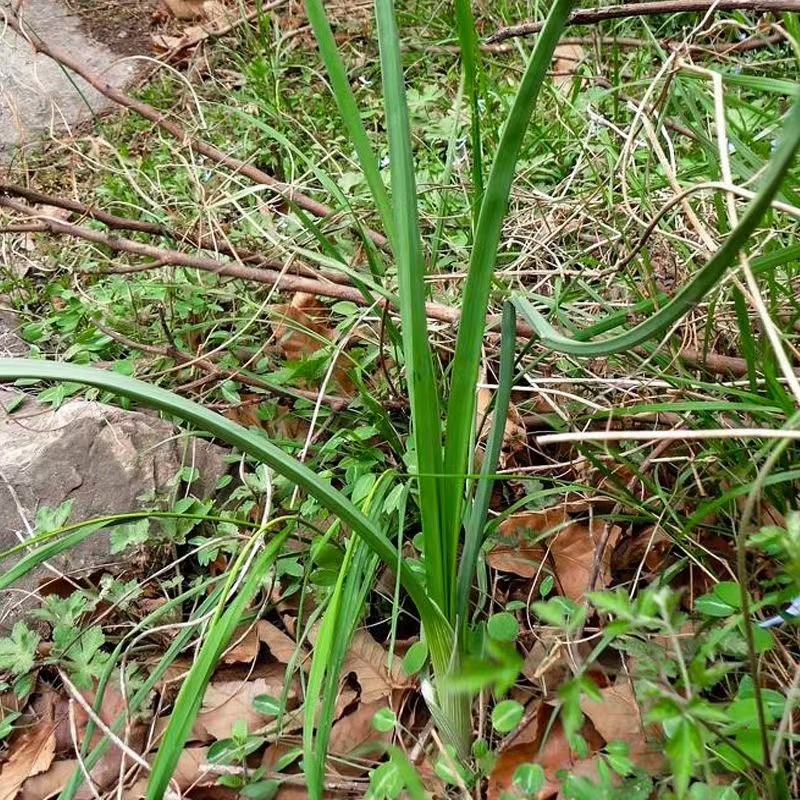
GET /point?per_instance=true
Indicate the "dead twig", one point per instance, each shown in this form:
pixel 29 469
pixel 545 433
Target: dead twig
pixel 157 229
pixel 715 48
pixel 721 364
pixel 166 257
pixel 755 42
pixel 214 371
pixel 593 16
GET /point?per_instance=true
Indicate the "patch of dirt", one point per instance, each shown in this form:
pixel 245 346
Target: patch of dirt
pixel 125 28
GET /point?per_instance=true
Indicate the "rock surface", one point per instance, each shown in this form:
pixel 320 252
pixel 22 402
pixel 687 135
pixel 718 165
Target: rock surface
pixel 36 94
pixel 105 459
pixel 11 346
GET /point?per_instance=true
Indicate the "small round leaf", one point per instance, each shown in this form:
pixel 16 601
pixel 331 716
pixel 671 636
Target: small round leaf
pixel 506 715
pixel 712 606
pixel 267 705
pixel 503 627
pixel 384 720
pixel 529 779
pixel 415 658
pixel 386 780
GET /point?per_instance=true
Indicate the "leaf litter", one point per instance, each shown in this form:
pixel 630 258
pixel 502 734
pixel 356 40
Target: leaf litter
pixel 526 547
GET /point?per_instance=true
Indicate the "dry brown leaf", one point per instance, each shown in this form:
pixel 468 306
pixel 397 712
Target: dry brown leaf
pixel 514 436
pixel 291 791
pixel 368 660
pixel 245 647
pixel 353 732
pixel 281 647
pixel 32 753
pixel 617 717
pixel 299 327
pixel 566 58
pixel 548 662
pixel 47 784
pixel 225 702
pixel 185 9
pixel 527 539
pixel 190 773
pixel 106 772
pixel 648 548
pixel 302 328
pixel 521 546
pixel 574 550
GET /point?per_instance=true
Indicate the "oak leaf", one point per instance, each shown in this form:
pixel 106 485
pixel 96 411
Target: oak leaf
pixel 617 718
pixel 32 753
pixel 353 732
pixel 225 702
pixel 368 661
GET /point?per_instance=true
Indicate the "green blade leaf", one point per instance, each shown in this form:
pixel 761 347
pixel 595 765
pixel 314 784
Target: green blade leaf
pixel 348 109
pixel 461 406
pixel 701 284
pixel 473 538
pixel 259 447
pixel 422 391
pixel 193 688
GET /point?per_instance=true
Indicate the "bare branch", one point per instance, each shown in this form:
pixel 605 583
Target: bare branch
pixel 593 16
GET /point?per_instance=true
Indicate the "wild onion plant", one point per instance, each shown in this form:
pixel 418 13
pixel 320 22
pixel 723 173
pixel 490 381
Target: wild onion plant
pixel 452 507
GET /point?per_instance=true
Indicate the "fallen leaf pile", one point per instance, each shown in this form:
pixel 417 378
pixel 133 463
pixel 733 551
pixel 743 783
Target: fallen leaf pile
pixel 548 542
pixel 41 757
pixel 204 17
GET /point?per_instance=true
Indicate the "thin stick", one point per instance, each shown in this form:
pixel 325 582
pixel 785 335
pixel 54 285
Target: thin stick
pixel 287 192
pixel 215 371
pixel 672 435
pixel 593 16
pixel 92 714
pixel 692 357
pixel 754 42
pixel 126 223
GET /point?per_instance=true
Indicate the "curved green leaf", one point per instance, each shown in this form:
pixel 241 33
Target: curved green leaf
pixel 701 284
pixel 461 405
pixel 255 445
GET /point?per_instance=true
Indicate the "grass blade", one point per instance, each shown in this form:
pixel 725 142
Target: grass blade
pixel 701 284
pixel 46 551
pixel 422 391
pixel 345 609
pixel 440 547
pixel 346 605
pixel 348 110
pixel 470 61
pixel 259 447
pixel 473 537
pixel 143 694
pixel 193 689
pixel 461 407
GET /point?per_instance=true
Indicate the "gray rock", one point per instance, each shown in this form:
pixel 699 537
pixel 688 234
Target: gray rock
pixel 11 346
pixel 104 459
pixel 36 94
